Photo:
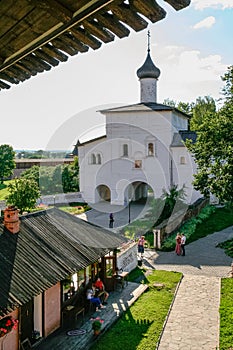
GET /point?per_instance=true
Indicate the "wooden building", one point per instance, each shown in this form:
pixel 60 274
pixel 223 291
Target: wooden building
pixel 46 260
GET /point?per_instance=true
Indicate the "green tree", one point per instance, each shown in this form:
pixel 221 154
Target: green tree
pixel 7 162
pixel 32 173
pixel 70 177
pixel 23 193
pixel 228 89
pixel 213 153
pixel 204 107
pixel 46 183
pixel 186 107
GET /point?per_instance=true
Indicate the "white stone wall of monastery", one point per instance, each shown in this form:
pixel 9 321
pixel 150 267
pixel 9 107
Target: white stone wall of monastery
pixel 117 172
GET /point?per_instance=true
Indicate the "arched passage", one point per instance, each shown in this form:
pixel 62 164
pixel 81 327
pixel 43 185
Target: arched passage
pixel 138 191
pixel 103 193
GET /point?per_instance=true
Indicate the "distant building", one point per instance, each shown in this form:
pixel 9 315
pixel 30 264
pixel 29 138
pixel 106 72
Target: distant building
pixel 143 149
pixel 24 164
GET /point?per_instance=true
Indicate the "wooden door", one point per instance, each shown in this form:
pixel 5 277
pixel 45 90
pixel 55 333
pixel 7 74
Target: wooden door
pixel 26 321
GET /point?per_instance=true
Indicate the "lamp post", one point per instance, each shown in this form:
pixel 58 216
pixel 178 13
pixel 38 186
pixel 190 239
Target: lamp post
pixel 54 197
pixel 129 210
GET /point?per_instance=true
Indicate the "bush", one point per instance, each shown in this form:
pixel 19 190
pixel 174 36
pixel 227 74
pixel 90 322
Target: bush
pixel 188 228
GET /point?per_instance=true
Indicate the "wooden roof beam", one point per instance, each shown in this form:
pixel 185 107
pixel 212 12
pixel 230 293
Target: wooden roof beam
pixel 55 9
pixel 37 62
pixel 96 29
pixel 61 45
pixel 178 5
pixel 111 22
pixel 73 42
pixel 149 9
pixel 127 15
pixel 8 78
pixel 83 35
pixel 28 73
pixel 14 71
pixel 4 85
pixel 45 57
pixel 54 52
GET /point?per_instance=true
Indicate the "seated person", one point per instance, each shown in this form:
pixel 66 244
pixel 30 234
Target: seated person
pixel 94 300
pixel 99 286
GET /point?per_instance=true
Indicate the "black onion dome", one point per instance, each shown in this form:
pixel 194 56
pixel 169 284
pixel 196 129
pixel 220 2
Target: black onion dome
pixel 148 69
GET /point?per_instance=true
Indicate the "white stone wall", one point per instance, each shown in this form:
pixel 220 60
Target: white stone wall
pixel 137 129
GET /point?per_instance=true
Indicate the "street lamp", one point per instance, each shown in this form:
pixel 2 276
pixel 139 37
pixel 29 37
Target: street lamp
pixel 54 200
pixel 129 210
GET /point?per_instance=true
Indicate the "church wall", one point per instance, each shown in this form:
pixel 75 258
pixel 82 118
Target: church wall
pixel 183 169
pixel 117 171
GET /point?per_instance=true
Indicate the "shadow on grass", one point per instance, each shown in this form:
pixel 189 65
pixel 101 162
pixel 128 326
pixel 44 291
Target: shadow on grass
pixel 127 333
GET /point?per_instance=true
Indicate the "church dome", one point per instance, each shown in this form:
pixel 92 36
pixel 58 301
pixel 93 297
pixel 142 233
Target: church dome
pixel 148 69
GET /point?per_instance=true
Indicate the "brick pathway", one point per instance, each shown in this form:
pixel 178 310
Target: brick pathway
pixel 193 323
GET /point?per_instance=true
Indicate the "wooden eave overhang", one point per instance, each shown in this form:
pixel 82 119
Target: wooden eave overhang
pixel 37 35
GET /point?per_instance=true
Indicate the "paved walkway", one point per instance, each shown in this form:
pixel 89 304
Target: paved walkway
pixel 193 323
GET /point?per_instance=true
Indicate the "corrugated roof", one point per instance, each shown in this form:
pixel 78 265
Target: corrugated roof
pixel 50 245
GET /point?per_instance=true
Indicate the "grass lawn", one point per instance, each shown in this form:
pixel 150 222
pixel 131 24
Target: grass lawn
pixel 226 314
pixel 140 326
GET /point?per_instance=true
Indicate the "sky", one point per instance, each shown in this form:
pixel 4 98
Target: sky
pixel 192 48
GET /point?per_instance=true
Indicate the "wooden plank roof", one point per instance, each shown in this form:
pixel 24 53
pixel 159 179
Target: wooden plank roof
pixel 37 35
pixel 50 245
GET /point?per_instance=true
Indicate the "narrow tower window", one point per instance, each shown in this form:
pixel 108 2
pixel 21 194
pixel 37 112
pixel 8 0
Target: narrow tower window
pixel 125 150
pixel 150 149
pixel 98 158
pixel 93 158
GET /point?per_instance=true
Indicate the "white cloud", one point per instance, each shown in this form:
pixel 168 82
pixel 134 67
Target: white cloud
pixel 185 75
pixel 222 4
pixel 208 22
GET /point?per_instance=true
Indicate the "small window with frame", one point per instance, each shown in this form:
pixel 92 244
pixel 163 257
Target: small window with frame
pixel 182 160
pixel 150 149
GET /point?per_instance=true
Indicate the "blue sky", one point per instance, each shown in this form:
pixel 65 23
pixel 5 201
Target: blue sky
pixel 192 47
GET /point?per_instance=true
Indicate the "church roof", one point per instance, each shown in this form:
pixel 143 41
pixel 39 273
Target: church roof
pixel 182 136
pixel 142 107
pixel 148 69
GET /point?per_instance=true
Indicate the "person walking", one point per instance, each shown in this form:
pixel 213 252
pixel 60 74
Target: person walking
pixel 178 244
pixel 111 220
pixel 183 241
pixel 141 244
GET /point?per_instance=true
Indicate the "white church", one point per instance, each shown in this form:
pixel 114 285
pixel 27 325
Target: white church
pixel 143 151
